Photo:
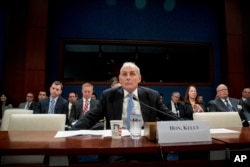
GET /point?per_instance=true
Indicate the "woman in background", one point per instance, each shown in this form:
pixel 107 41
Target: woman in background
pixel 4 105
pixel 192 103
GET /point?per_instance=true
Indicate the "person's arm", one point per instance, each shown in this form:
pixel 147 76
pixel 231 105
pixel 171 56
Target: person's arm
pixel 90 119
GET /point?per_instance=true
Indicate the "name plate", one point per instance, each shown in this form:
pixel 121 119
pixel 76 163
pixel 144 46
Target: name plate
pixel 183 131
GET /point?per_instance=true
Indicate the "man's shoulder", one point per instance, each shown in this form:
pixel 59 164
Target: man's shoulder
pixel 147 90
pixel 62 99
pixel 22 103
pixel 234 99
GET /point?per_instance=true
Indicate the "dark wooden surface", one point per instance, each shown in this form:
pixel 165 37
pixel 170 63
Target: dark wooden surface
pixel 26 142
pixel 43 142
pixel 239 140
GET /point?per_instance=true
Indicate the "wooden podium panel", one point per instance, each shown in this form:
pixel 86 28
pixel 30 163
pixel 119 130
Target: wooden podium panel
pixel 43 142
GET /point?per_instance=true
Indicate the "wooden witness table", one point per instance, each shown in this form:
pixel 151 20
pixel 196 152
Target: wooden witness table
pixel 237 144
pixel 43 142
pixel 239 140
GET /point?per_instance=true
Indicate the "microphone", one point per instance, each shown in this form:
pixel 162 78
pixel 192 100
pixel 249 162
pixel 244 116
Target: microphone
pixel 155 109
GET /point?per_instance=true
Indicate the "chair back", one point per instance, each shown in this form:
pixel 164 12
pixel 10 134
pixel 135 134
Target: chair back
pixel 220 119
pixel 37 122
pixel 7 114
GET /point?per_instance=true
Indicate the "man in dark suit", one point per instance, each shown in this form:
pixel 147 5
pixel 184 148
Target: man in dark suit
pixel 29 104
pixel 225 103
pixel 174 104
pixel 80 108
pixel 54 104
pixel 245 102
pixel 220 103
pixel 113 101
pixel 113 105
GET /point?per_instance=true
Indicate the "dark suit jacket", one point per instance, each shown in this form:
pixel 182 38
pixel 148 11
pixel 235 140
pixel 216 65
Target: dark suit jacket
pixel 77 109
pixel 219 105
pixel 31 107
pixel 61 106
pixel 246 108
pixel 180 108
pixel 188 111
pixel 110 106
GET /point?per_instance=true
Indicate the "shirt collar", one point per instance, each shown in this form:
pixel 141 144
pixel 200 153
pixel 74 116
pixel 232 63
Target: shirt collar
pixel 134 92
pixel 55 99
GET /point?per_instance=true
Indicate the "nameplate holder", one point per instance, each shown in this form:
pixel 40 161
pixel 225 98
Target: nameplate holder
pixel 183 131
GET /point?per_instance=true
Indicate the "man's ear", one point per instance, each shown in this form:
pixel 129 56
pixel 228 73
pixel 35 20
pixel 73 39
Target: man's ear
pixel 139 78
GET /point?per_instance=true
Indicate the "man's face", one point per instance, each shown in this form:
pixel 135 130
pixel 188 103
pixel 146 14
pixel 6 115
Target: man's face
pixel 87 92
pixel 55 90
pixel 42 95
pixel 246 93
pixel 129 78
pixel 72 97
pixel 29 97
pixel 222 91
pixel 175 98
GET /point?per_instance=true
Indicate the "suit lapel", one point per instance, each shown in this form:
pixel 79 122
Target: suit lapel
pixel 143 98
pixel 222 104
pixel 92 104
pixel 57 104
pixel 117 106
pixel 47 105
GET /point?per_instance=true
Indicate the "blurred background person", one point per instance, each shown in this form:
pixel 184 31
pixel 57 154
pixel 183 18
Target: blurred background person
pixel 29 104
pixel 55 103
pixel 191 103
pixel 42 95
pixel 175 105
pixel 83 105
pixel 225 103
pixel 94 96
pixel 72 98
pixel 244 100
pixel 115 84
pixel 5 104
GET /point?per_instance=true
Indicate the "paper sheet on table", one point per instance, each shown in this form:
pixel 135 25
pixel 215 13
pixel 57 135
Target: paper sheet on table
pixel 103 133
pixel 222 130
pixel 79 132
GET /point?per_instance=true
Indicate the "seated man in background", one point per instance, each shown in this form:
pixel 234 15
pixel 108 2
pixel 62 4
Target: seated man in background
pixel 225 103
pixel 245 102
pixel 174 104
pixel 82 106
pixel 54 104
pixel 29 104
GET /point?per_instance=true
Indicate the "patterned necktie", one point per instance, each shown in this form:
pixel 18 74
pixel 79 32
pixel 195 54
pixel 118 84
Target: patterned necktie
pixel 229 106
pixel 52 107
pixel 86 107
pixel 27 105
pixel 130 108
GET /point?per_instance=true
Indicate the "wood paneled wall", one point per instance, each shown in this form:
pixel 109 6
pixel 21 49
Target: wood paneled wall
pixel 235 74
pixel 25 51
